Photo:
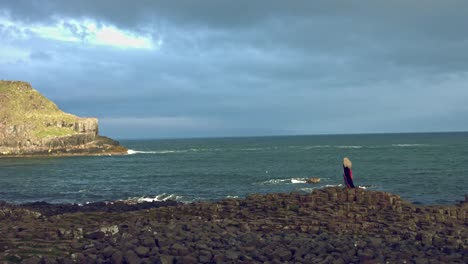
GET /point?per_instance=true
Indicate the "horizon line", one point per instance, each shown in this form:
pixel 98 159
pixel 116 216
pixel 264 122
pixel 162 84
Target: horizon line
pixel 287 135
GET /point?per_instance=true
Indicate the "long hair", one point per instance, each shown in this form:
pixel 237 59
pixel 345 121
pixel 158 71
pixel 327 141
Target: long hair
pixel 347 163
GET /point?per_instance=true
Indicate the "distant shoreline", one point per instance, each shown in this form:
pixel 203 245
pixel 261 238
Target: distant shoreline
pixel 57 155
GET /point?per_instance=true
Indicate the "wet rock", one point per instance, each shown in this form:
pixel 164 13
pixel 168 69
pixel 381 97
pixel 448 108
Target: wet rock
pixel 313 180
pixel 77 257
pixel 117 257
pixel 205 256
pixel 111 230
pixel 321 227
pixel 148 241
pixel 108 252
pixel 131 257
pixel 179 250
pixel 95 235
pixel 32 260
pixel 231 255
pixel 76 245
pixel 165 259
pixel 142 251
pixel 187 260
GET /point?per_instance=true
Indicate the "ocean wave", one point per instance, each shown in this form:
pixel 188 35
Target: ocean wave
pixel 285 181
pixel 133 152
pixel 410 145
pixel 309 147
pixel 308 189
pixel 298 181
pixel 349 147
pixel 275 181
pixel 366 186
pixel 158 198
pixel 334 185
pixel 256 149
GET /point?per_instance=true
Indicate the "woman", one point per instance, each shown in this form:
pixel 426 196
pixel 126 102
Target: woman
pixel 348 174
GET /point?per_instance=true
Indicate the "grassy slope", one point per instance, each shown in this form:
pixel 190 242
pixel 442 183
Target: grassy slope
pixel 27 106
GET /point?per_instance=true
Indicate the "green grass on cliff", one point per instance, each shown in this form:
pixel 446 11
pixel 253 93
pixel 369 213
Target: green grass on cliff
pixel 20 104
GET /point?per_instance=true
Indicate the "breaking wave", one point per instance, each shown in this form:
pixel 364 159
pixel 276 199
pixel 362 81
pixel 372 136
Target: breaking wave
pixel 284 181
pixel 158 198
pixel 409 145
pixel 133 152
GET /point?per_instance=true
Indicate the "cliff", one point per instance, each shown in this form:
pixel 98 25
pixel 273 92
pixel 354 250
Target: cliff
pixel 30 124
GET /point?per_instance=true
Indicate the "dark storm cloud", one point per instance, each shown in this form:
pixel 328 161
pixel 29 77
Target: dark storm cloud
pixel 250 67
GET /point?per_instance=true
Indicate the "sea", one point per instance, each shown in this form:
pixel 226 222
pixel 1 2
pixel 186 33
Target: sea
pixel 423 168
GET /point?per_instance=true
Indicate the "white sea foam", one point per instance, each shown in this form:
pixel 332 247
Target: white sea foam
pixel 309 147
pixel 285 181
pixel 232 196
pixel 254 149
pixel 333 185
pixel 133 152
pixel 349 147
pixel 298 180
pixel 366 186
pixel 158 198
pixel 308 189
pixel 409 145
pixel 276 181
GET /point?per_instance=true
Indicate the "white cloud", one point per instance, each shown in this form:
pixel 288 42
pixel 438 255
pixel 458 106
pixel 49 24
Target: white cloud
pixel 87 32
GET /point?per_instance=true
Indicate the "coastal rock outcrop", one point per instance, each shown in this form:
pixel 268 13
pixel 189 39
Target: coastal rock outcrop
pixel 331 225
pixel 313 180
pixel 30 124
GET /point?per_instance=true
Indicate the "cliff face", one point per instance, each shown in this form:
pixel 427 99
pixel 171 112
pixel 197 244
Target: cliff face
pixel 30 124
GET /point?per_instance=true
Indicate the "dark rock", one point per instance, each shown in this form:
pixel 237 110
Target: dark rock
pixel 219 258
pixel 187 260
pixel 155 260
pixel 313 180
pixel 76 245
pixel 142 251
pixel 95 235
pixel 282 254
pixel 32 260
pixel 322 229
pixel 232 255
pixel 375 242
pixel 108 252
pixel 179 250
pixel 148 241
pixel 77 257
pixel 165 259
pixel 117 257
pixel 49 260
pixel 205 256
pixel 131 257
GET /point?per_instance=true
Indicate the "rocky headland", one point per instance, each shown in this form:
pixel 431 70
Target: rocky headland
pixel 32 125
pixel 331 225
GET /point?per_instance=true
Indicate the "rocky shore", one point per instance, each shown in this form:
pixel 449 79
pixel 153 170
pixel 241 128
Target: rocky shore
pixel 331 225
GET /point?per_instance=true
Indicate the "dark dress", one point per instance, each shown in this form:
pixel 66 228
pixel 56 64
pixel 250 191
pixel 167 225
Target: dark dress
pixel 348 177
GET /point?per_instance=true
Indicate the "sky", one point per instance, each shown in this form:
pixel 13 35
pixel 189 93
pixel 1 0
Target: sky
pixel 213 68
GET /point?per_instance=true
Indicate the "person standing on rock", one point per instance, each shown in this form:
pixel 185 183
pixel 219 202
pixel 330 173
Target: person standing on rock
pixel 348 174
